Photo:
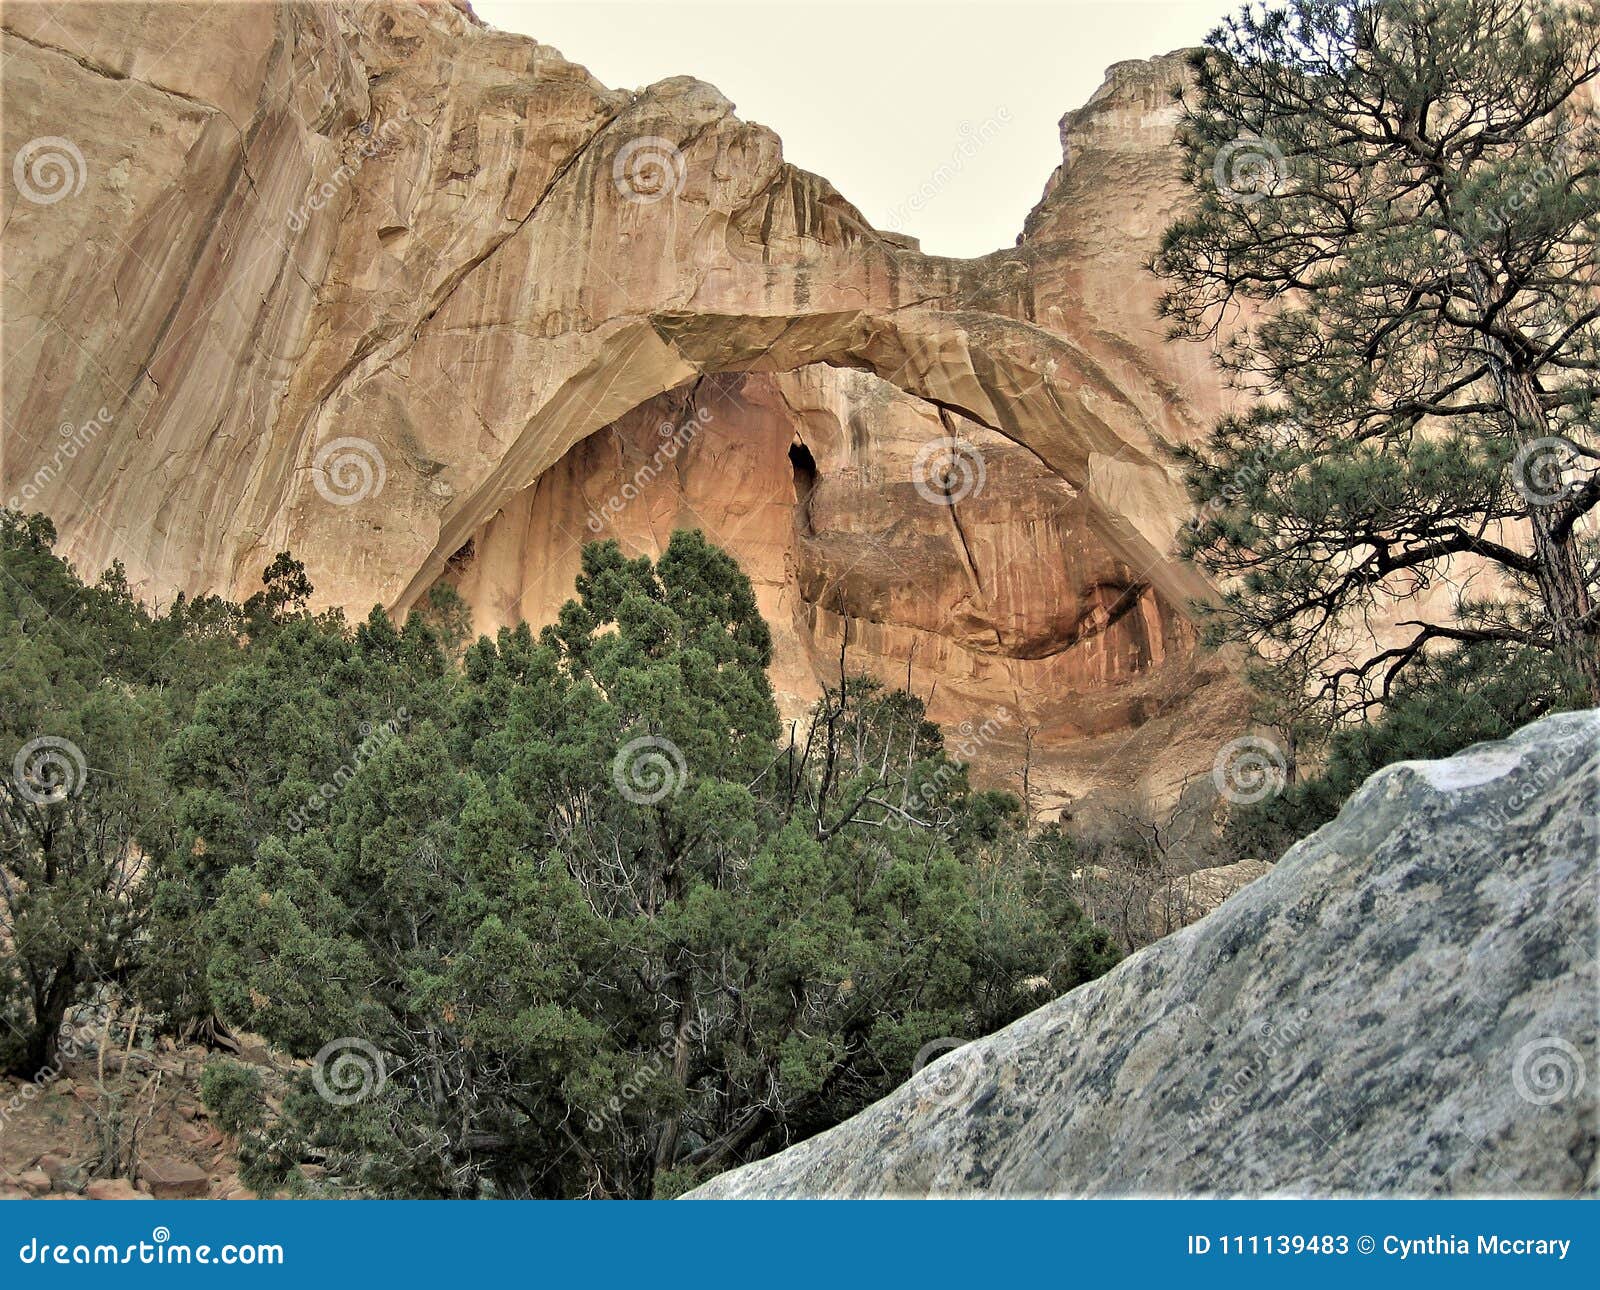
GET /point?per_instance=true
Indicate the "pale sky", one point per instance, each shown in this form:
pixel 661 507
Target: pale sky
pixel 881 96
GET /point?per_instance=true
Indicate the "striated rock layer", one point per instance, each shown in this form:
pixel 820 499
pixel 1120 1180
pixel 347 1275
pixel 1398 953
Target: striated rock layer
pixel 412 298
pixel 1405 1006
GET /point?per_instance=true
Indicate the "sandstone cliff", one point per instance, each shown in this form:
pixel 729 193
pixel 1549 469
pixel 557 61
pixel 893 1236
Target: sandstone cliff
pixel 1406 1005
pixel 423 302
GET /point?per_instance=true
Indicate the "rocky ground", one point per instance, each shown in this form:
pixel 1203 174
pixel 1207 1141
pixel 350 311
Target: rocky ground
pixel 130 1127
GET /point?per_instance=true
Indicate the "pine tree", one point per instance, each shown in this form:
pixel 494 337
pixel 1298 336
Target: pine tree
pixel 1398 205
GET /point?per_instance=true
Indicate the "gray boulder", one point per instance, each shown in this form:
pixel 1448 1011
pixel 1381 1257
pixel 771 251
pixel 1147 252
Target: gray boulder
pixel 1407 1005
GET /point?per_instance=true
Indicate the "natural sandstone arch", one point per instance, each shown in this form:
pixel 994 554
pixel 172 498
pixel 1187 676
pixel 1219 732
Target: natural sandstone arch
pixel 473 291
pixel 1035 388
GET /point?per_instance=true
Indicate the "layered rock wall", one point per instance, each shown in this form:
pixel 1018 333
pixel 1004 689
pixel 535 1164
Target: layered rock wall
pixel 408 296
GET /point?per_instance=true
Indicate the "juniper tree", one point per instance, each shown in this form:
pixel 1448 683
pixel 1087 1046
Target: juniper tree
pixel 600 930
pixel 90 684
pixel 1394 237
pixel 264 752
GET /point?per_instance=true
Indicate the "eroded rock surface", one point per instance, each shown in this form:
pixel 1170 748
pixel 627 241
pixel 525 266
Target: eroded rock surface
pixel 387 288
pixel 1407 1005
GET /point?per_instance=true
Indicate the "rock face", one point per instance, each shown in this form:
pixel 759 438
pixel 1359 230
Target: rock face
pixel 412 297
pixel 1407 1005
pixel 1003 603
pixel 174 1179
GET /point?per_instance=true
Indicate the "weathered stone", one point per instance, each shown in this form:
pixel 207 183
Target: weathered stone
pixel 170 1179
pixel 114 1189
pixel 35 1181
pixel 59 1169
pixel 1404 1006
pixel 388 226
pixel 1197 894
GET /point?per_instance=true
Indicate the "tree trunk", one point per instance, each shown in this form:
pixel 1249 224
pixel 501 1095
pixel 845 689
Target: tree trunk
pixel 682 1042
pixel 42 1050
pixel 1558 569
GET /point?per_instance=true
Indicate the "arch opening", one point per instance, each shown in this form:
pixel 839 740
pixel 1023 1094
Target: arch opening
pixel 1009 378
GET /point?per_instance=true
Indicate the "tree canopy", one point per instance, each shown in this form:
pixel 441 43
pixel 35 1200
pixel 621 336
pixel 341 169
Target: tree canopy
pixel 554 914
pixel 591 928
pixel 1394 237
